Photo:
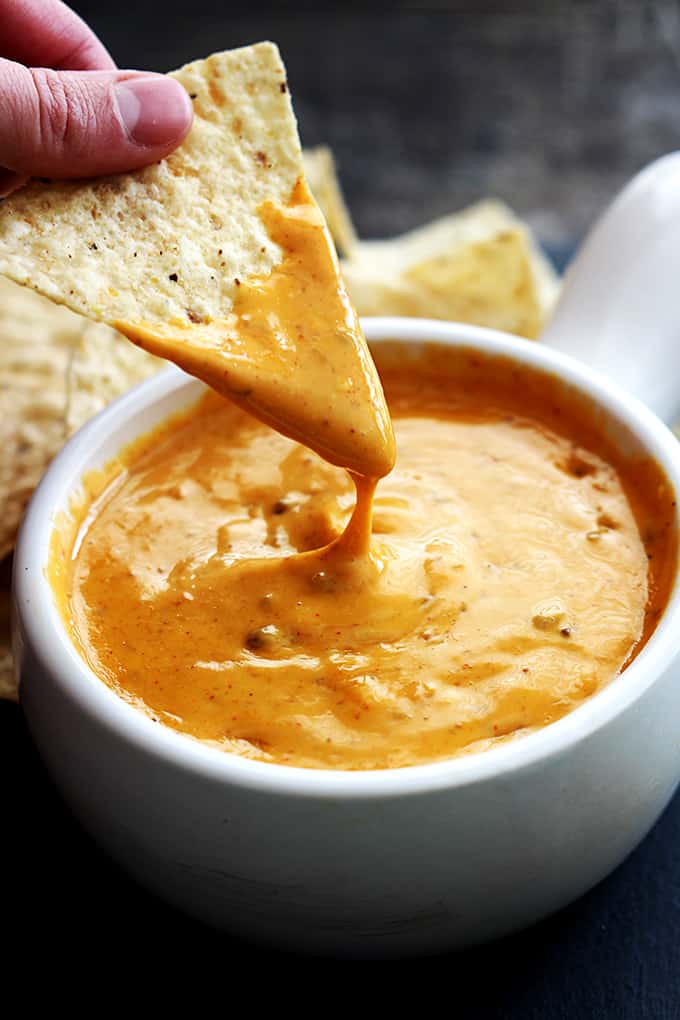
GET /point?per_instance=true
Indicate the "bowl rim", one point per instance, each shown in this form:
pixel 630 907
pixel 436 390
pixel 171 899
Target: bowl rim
pixel 42 628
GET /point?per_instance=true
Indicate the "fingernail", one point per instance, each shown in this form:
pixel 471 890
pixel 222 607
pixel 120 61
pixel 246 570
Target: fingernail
pixel 155 111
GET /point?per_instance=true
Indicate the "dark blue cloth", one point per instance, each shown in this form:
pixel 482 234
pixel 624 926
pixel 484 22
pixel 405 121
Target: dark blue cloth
pixel 613 954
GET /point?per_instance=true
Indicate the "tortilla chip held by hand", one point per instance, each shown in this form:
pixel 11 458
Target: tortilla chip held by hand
pixel 218 259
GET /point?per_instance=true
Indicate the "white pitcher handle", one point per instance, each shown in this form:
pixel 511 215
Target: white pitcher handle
pixel 619 310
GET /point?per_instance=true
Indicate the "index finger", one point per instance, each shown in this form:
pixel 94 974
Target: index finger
pixel 47 33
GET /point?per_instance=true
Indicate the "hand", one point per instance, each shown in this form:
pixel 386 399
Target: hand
pixel 66 111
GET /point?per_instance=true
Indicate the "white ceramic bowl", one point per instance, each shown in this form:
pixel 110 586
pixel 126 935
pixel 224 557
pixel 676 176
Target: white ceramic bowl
pixel 379 863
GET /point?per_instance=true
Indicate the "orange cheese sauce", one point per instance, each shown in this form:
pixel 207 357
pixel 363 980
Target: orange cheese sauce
pixel 291 352
pixel 516 563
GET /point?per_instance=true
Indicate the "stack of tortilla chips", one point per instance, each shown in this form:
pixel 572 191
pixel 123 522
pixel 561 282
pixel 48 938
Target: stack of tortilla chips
pixel 57 370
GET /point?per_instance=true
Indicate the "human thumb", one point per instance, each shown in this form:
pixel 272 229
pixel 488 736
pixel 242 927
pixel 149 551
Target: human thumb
pixel 85 123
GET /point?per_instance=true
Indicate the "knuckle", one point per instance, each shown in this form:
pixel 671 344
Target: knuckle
pixel 64 112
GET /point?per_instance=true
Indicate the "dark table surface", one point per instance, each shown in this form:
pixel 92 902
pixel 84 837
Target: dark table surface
pixel 551 106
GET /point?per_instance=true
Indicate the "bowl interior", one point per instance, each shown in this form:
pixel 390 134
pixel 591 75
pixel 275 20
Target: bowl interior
pixel 172 391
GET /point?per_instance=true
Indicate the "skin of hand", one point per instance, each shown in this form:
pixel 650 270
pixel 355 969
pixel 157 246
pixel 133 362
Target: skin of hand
pixel 66 111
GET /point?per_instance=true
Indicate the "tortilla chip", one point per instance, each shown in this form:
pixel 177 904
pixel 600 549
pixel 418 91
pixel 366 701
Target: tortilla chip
pixel 104 366
pixel 546 280
pixel 323 180
pixel 56 371
pixel 169 242
pixel 37 340
pixel 479 266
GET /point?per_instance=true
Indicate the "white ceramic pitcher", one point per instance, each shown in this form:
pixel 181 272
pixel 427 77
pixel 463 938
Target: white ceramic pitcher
pixel 619 311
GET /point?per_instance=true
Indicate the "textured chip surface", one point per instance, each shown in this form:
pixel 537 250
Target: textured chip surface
pixel 168 243
pixel 37 341
pixel 104 365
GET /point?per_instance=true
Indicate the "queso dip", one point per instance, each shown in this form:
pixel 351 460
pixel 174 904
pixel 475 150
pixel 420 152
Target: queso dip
pixel 515 563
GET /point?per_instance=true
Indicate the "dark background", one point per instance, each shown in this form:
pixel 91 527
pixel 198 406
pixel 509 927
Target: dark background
pixel 551 106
